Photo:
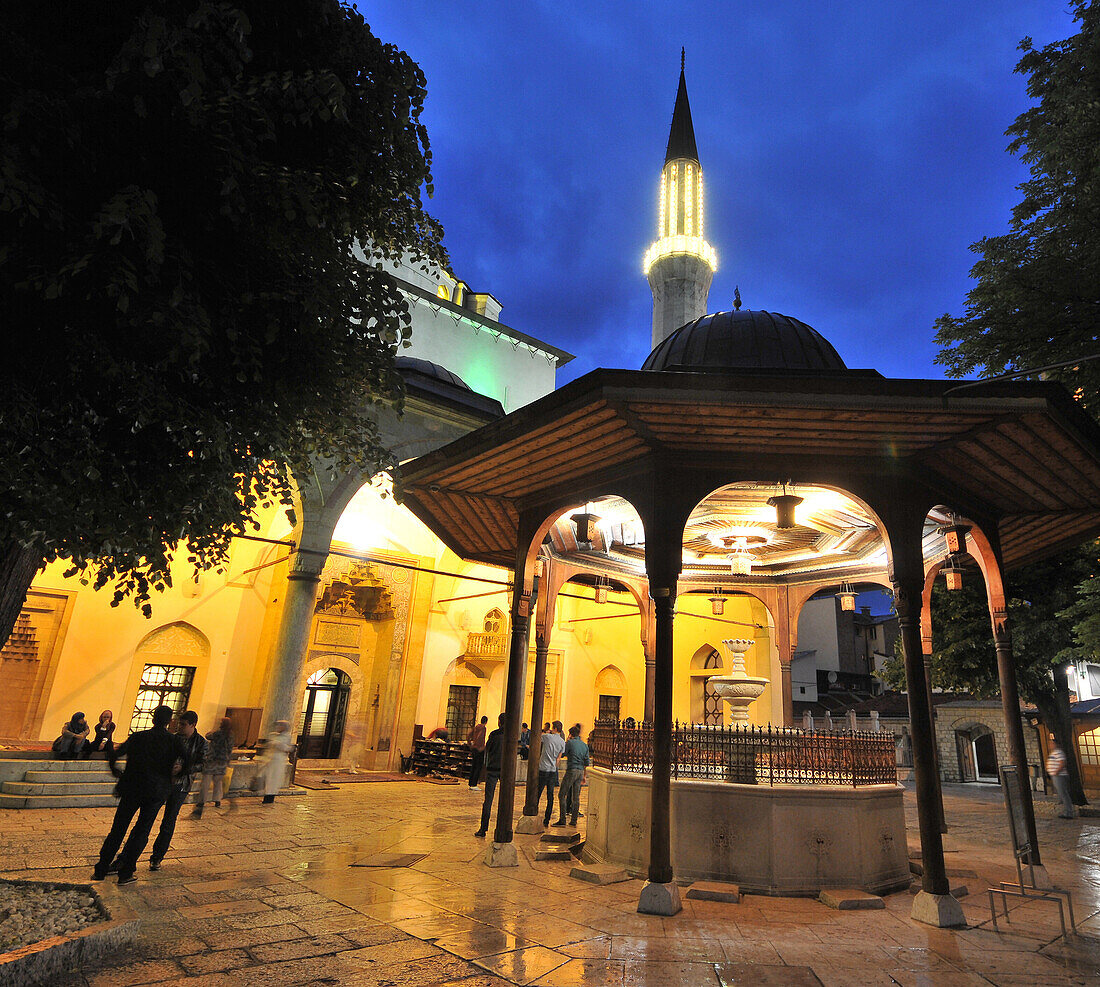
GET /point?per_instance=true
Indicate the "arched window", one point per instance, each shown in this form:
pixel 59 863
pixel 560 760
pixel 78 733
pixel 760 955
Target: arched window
pixel 495 621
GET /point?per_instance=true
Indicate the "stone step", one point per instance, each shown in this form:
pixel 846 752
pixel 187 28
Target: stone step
pixel 561 836
pixel 600 874
pixel 93 787
pixel 27 764
pixel 848 899
pixel 714 891
pixel 56 801
pixel 553 853
pixel 67 777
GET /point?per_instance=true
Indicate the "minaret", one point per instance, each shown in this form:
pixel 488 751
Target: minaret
pixel 680 263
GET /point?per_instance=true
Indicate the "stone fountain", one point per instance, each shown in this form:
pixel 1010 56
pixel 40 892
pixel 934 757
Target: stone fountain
pixel 739 689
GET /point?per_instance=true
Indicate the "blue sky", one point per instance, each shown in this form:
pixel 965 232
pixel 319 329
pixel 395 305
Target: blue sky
pixel 852 152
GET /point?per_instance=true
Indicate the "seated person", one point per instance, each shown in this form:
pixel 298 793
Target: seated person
pixel 439 733
pixel 74 737
pixel 104 733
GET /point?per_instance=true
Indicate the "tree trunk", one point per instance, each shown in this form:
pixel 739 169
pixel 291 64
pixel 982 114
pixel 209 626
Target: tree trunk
pixel 1051 710
pixel 18 566
pixel 1065 734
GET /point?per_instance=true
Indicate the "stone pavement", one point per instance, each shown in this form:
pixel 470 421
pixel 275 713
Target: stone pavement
pixel 268 896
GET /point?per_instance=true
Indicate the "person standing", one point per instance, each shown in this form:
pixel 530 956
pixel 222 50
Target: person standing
pixel 577 759
pixel 1056 768
pixel 219 752
pixel 494 755
pixel 195 745
pixel 277 748
pixel 552 746
pixel 524 741
pixel 153 758
pixel 475 740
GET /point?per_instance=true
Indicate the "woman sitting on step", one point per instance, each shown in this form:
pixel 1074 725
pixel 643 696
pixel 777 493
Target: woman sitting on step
pixel 104 733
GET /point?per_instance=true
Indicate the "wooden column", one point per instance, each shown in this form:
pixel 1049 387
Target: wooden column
pixel 908 585
pixel 497 855
pixel 538 697
pixel 660 896
pixel 1014 727
pixel 660 846
pixel 650 672
pixel 926 650
pixel 788 696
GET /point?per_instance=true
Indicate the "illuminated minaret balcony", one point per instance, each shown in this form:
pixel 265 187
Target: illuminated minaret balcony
pixel 680 227
pixel 680 263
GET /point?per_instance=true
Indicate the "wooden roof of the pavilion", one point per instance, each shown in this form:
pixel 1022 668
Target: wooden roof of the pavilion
pixel 1022 451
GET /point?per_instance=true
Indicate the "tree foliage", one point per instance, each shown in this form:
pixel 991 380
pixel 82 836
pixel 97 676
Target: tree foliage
pixel 183 186
pixel 1036 300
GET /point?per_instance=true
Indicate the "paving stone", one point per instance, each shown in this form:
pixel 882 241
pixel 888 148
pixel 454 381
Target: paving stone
pixel 600 874
pixel 714 891
pixel 216 962
pixel 553 854
pixel 850 899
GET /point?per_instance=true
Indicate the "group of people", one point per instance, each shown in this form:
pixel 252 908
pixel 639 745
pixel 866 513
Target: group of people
pixel 74 741
pixel 488 754
pixel 159 772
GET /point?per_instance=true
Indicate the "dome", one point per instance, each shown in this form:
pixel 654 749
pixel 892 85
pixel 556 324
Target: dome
pixel 410 364
pixel 745 340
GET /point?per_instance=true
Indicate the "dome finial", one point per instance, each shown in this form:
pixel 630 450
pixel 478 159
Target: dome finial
pixel 737 299
pixel 681 58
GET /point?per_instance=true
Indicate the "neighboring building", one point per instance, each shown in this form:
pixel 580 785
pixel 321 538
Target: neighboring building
pixel 972 743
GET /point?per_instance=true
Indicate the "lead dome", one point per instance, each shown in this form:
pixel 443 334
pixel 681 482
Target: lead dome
pixel 745 340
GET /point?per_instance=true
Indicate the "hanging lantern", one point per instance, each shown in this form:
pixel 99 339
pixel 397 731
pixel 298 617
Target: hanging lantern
pixel 540 566
pixel 953 573
pixel 717 603
pixel 847 597
pixel 585 523
pixel 955 535
pixel 784 504
pixel 741 563
pixel 601 590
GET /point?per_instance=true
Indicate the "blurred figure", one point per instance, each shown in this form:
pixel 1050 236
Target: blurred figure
pixel 219 752
pixel 277 748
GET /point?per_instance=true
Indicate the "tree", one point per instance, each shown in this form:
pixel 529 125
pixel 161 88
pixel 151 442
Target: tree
pixel 1036 300
pixel 963 655
pixel 192 199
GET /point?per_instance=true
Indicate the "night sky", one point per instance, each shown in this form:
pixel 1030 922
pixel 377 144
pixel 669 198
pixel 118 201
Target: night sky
pixel 851 153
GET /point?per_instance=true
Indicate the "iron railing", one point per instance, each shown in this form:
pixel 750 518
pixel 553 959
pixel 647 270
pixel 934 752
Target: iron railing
pixel 752 755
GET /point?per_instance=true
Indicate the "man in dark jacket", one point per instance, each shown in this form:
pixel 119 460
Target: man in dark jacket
pixel 153 758
pixel 195 743
pixel 494 749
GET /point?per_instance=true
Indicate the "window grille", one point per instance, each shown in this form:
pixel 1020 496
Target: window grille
pixel 161 685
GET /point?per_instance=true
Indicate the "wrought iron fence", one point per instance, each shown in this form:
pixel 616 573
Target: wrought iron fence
pixel 752 755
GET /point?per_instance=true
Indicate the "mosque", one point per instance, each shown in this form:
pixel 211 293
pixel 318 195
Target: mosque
pixel 538 545
pixel 404 633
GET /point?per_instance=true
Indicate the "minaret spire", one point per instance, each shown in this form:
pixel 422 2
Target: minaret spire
pixel 680 263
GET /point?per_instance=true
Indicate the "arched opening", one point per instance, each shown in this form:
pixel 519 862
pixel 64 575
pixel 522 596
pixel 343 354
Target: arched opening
pixel 610 691
pixel 169 662
pixel 706 707
pixel 324 714
pixel 976 747
pixel 462 695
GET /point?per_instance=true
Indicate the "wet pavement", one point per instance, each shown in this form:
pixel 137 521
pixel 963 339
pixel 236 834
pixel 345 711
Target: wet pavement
pixel 293 894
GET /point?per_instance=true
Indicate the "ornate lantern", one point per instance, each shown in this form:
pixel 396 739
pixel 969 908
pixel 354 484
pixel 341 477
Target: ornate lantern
pixel 741 563
pixel 784 504
pixel 847 597
pixel 953 573
pixel 585 522
pixel 602 588
pixel 717 602
pixel 955 535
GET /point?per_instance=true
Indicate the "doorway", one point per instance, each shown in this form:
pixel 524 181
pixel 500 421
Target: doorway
pixel 977 752
pixel 324 712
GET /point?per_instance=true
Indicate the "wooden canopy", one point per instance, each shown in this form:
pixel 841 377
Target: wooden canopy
pixel 1020 455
